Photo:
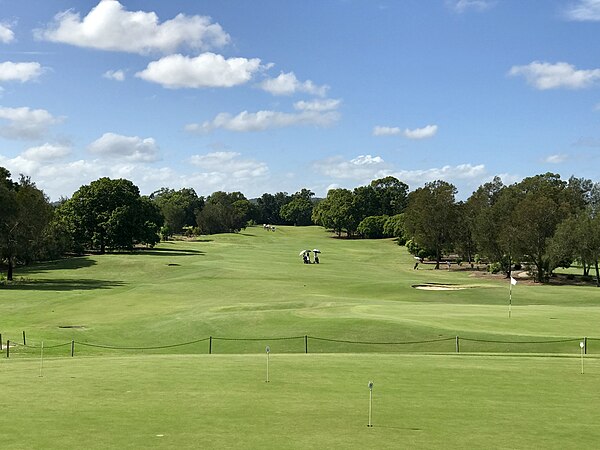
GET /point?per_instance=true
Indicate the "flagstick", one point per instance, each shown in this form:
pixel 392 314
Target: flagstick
pixel 510 299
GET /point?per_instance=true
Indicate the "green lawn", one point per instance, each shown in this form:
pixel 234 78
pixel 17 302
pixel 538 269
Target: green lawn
pixel 498 392
pixel 311 401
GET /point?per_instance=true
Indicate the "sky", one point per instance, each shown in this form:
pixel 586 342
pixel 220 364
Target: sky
pixel 274 96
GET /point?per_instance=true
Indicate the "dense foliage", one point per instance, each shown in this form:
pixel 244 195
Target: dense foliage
pixel 541 222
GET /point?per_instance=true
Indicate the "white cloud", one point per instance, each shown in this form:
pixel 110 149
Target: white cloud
pixel 109 26
pixel 6 34
pixel 205 70
pixel 421 133
pixel 446 173
pixel 128 148
pixel 418 133
pixel 555 159
pixel 386 131
pixel 583 11
pixel 462 6
pixel 264 120
pixel 117 75
pixel 26 71
pixel 318 105
pixel 46 152
pixel 26 123
pixel 362 168
pixel 230 163
pixel 543 75
pixel 288 84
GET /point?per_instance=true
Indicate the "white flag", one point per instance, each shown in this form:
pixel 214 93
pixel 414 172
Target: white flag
pixel 513 281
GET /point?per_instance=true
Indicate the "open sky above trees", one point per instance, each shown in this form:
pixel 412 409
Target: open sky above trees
pixel 273 96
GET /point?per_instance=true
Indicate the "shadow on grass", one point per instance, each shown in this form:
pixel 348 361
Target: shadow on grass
pixel 62 285
pixel 166 252
pixel 75 262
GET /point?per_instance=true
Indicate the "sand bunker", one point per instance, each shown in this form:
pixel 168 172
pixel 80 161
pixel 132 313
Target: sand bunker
pixel 440 287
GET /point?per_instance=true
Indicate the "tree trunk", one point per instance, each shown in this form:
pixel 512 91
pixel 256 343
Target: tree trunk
pixel 9 272
pixel 597 274
pixel 586 269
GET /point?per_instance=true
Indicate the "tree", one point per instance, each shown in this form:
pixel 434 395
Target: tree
pixel 299 210
pixel 577 237
pixel 431 216
pixel 392 194
pixel 336 212
pixel 542 203
pixel 269 207
pixel 372 227
pixel 394 227
pixel 24 214
pixel 179 208
pixel 111 214
pixel 224 213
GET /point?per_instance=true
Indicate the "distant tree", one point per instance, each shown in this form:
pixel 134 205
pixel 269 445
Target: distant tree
pixel 24 215
pixel 431 216
pixel 577 238
pixel 299 210
pixel 269 208
pixel 336 212
pixel 372 227
pixel 394 227
pixel 366 202
pixel 110 214
pixel 224 213
pixel 392 194
pixel 179 208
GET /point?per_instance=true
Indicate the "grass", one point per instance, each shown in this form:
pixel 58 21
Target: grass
pixel 311 401
pixel 253 285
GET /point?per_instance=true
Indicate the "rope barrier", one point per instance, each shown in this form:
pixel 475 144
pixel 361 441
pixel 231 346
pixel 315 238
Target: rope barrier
pixel 554 341
pixel 87 344
pixel 380 343
pixel 259 339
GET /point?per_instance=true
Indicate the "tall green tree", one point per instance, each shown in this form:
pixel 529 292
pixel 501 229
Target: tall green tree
pixel 225 213
pixel 299 210
pixel 431 216
pixel 24 215
pixel 179 208
pixel 336 212
pixel 110 214
pixel 392 194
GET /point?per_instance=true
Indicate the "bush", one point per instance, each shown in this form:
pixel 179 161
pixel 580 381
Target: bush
pixel 586 278
pixel 494 267
pixel 372 227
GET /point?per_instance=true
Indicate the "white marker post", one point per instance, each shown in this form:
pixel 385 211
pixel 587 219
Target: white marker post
pixel 370 424
pixel 268 350
pixel 581 347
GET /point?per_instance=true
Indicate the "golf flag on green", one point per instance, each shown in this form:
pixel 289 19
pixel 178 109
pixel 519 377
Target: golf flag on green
pixel 513 281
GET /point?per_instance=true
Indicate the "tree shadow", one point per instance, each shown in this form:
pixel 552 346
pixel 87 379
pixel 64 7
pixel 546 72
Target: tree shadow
pixel 167 252
pixel 62 285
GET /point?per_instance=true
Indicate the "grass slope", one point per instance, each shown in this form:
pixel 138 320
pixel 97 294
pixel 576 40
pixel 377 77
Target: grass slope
pixel 253 284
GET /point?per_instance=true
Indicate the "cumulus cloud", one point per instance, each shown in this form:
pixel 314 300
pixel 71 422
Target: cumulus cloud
pixel 583 11
pixel 26 123
pixel 230 163
pixel 555 159
pixel 6 34
pixel 109 26
pixel 205 70
pixel 421 133
pixel 542 75
pixel 461 6
pixel 288 84
pixel 418 133
pixel 447 173
pixel 318 105
pixel 25 71
pixel 46 152
pixel 128 148
pixel 117 75
pixel 361 168
pixel 386 131
pixel 265 120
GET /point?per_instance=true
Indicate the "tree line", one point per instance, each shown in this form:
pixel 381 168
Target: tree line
pixel 543 221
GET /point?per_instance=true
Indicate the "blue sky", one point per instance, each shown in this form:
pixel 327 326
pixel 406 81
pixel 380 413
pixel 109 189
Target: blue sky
pixel 269 96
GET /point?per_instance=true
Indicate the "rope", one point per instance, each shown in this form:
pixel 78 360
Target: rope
pixel 258 339
pixel 140 348
pixel 381 343
pixel 555 341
